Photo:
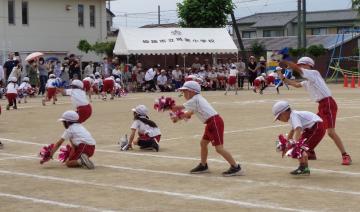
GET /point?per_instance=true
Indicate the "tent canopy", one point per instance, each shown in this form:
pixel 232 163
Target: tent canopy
pixel 162 41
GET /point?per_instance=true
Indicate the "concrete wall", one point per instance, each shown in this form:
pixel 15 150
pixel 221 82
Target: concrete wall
pixel 51 27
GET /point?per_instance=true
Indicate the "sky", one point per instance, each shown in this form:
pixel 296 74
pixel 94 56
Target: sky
pixel 136 13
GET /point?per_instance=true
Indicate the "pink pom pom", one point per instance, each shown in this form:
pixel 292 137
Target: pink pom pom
pixel 163 104
pixel 64 153
pixel 45 153
pixel 297 149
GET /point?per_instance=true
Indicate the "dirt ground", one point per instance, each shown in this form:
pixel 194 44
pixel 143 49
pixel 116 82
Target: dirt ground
pixel 160 181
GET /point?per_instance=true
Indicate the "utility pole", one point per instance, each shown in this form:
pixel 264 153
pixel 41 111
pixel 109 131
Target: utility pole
pixel 158 14
pixel 304 23
pixel 299 24
pixel 241 44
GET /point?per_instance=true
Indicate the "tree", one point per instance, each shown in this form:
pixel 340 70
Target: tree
pixel 356 5
pixel 258 49
pixel 84 46
pixel 99 47
pixel 316 50
pixel 204 13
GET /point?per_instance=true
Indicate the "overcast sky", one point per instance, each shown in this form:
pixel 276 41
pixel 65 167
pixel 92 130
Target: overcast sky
pixel 125 9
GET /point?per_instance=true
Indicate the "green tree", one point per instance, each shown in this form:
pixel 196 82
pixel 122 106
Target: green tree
pixel 315 50
pixel 84 46
pixel 99 47
pixel 204 13
pixel 258 49
pixel 297 52
pixel 356 5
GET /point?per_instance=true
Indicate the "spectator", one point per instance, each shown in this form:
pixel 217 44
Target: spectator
pixel 43 74
pixel 9 65
pixel 16 71
pixel 252 67
pixel 242 73
pixel 117 72
pixel 65 77
pixel 57 70
pixel 196 65
pixel 162 82
pixel 105 68
pixel 89 69
pixel 149 79
pixel 213 78
pixel 51 67
pixel 262 66
pixel 2 76
pixel 31 70
pixel 177 77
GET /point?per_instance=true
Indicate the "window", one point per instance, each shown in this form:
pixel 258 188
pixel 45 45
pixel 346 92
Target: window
pixel 11 12
pixel 249 34
pixel 92 15
pixel 273 33
pixel 25 13
pixel 81 15
pixel 319 31
pixel 345 30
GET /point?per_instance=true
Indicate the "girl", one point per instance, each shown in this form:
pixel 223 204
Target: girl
pixel 11 93
pixel 50 89
pixel 148 131
pixel 88 84
pixel 82 143
pixel 25 89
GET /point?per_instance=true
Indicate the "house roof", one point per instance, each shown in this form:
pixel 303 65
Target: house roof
pixel 277 43
pixel 276 19
pixel 170 25
pixel 110 12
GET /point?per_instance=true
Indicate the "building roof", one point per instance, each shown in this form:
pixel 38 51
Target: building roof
pixel 277 43
pixel 276 19
pixel 170 25
pixel 110 12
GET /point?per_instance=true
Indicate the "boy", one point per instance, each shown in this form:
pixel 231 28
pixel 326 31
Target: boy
pixel 320 93
pixel 11 93
pixel 233 75
pixel 214 130
pixel 305 126
pixel 50 89
pixel 82 143
pixel 88 84
pixel 79 100
pixel 108 87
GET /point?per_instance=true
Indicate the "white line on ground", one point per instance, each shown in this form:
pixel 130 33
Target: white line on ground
pixel 264 205
pixel 50 202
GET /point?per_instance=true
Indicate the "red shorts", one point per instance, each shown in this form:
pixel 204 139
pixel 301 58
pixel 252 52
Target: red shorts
pixel 146 137
pixel 270 79
pixel 108 86
pixel 83 149
pixel 95 88
pixel 232 80
pixel 327 112
pixel 84 112
pixel 87 85
pixel 214 130
pixel 11 97
pixel 257 83
pixel 50 93
pixel 314 135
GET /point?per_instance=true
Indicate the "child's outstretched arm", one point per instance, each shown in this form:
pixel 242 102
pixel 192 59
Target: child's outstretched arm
pixel 56 146
pixel 297 134
pixel 177 108
pixel 132 136
pixel 291 65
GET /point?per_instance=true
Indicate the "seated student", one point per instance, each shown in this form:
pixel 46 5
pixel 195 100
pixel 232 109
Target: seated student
pixel 148 131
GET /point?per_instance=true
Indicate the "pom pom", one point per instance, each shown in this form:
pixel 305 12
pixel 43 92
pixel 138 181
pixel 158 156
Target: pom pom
pixel 64 153
pixel 290 148
pixel 164 103
pixel 45 153
pixel 176 115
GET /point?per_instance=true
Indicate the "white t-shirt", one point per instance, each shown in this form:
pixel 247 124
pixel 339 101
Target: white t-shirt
pixel 116 72
pixel 303 119
pixel 212 75
pixel 161 80
pixel 24 86
pixel 117 86
pixel 91 80
pixel 202 74
pixel 261 78
pixel 150 74
pixel 145 129
pixel 176 74
pixel 78 134
pixel 201 107
pixel 233 72
pixel 51 83
pixel 315 85
pixel 78 97
pixel 12 88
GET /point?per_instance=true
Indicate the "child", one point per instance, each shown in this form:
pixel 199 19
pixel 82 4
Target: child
pixel 148 131
pixel 278 82
pixel 50 89
pixel 88 84
pixel 82 143
pixel 306 127
pixel 233 74
pixel 214 130
pixel 259 83
pixel 11 92
pixel 25 89
pixel 98 84
pixel 79 100
pixel 108 87
pixel 320 93
pixel 118 89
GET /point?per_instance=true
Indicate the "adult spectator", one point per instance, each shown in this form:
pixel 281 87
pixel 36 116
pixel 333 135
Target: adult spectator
pixel 162 82
pixel 177 77
pixel 77 70
pixel 242 73
pixel 196 65
pixel 9 65
pixel 149 79
pixel 262 66
pixel 89 69
pixel 213 78
pixel 65 77
pixel 31 70
pixel 43 74
pixel 117 72
pixel 16 71
pixel 105 68
pixel 2 76
pixel 252 70
pixel 57 70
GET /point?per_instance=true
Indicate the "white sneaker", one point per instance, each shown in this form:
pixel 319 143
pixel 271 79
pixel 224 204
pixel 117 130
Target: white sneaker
pixel 86 161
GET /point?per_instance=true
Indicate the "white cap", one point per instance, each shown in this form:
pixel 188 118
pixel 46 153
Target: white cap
pixel 12 79
pixel 233 66
pixel 278 68
pixel 263 74
pixel 77 83
pixel 112 77
pixel 52 76
pixel 70 116
pixel 279 107
pixel 26 79
pixel 306 61
pixel 141 110
pixel 118 80
pixel 92 76
pixel 262 59
pixel 202 68
pixel 97 74
pixel 192 86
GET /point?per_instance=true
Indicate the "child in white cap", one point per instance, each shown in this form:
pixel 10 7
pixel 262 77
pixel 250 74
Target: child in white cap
pixel 108 87
pixel 11 92
pixel 88 84
pixel 50 89
pixel 306 127
pixel 82 143
pixel 214 130
pixel 79 100
pixel 321 94
pixel 233 75
pixel 24 90
pixel 148 131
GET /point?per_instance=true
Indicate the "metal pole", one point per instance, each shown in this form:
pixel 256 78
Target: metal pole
pixel 158 14
pixel 241 44
pixel 304 23
pixel 299 24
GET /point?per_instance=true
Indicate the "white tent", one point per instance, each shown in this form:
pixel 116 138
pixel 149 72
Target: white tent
pixel 163 41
